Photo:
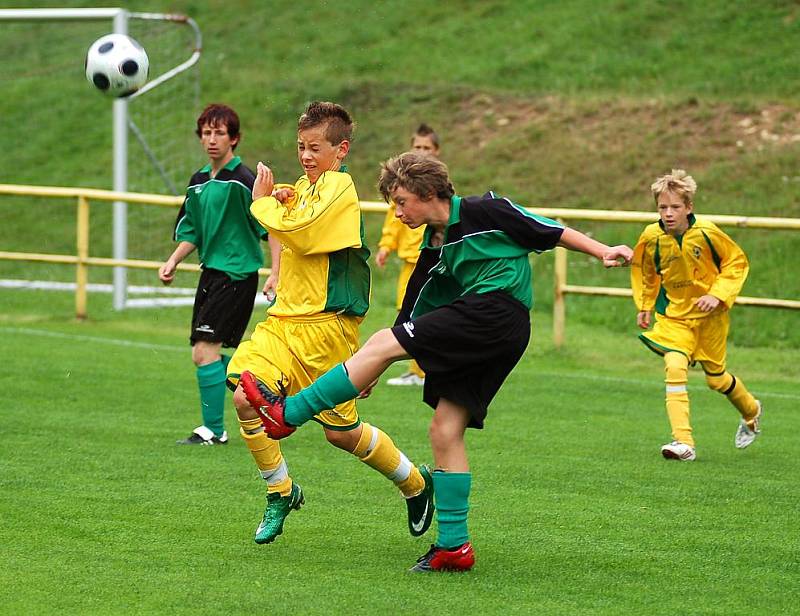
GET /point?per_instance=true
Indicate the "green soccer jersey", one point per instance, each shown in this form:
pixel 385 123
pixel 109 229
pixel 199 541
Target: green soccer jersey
pixel 216 218
pixel 486 244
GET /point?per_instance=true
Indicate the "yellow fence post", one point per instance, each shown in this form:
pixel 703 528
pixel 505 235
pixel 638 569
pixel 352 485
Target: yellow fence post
pixel 82 267
pixel 559 304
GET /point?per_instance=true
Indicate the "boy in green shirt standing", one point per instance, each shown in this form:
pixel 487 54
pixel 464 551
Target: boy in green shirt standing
pixel 215 220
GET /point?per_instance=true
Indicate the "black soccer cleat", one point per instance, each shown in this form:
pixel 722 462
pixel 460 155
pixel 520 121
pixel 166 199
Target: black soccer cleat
pixel 420 507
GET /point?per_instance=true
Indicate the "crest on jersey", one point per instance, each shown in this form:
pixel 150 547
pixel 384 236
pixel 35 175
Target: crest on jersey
pixel 696 252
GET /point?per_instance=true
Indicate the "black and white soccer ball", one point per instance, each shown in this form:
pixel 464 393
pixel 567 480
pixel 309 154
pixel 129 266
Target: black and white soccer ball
pixel 117 65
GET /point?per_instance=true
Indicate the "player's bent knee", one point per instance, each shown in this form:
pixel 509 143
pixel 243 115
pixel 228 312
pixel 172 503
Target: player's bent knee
pixel 441 435
pixel 343 439
pixel 205 352
pixel 243 408
pixel 676 368
pixel 719 382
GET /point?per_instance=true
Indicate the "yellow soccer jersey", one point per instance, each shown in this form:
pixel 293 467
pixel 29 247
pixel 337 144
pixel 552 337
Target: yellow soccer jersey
pixel 397 236
pixel 669 273
pixel 323 255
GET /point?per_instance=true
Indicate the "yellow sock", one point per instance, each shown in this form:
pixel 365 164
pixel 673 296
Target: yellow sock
pixel 413 367
pixel 376 449
pixel 268 457
pixel 677 397
pixel 737 393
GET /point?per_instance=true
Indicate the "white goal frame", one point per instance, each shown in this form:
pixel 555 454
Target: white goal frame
pixel 120 117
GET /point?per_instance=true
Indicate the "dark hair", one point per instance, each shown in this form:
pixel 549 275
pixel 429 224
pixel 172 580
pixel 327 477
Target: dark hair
pixel 423 130
pixel 217 114
pixel 424 176
pixel 339 123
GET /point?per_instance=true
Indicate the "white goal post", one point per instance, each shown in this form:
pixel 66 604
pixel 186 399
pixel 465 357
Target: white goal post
pixel 122 123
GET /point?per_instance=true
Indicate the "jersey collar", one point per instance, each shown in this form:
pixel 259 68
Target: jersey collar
pixel 232 164
pixel 455 216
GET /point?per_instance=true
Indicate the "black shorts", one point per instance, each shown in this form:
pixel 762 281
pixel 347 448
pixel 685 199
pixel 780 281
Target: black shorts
pixel 222 307
pixel 467 349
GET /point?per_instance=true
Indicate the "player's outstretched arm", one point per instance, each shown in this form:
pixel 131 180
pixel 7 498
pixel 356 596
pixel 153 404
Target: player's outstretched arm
pixel 611 256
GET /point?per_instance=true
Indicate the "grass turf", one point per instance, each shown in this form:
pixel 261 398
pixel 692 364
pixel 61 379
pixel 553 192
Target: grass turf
pixel 572 509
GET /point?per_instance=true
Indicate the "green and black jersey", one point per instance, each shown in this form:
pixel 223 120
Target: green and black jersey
pixel 486 244
pixel 215 217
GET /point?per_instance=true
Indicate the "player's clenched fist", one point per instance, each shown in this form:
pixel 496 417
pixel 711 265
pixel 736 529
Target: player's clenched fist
pixel 264 183
pixel 617 256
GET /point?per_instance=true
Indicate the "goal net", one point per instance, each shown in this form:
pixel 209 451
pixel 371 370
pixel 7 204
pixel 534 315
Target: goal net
pixel 65 137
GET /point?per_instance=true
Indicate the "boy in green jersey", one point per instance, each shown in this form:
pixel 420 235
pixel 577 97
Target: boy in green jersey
pixel 215 220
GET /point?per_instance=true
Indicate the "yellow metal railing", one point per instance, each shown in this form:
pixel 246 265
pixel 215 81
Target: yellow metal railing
pixel 562 289
pixel 83 261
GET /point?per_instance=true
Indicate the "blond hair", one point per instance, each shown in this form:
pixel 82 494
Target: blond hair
pixel 678 182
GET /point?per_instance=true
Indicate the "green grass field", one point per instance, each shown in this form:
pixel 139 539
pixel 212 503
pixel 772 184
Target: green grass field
pixel 573 509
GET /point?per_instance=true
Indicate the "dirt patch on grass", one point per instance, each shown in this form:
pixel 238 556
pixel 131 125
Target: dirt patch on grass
pixel 605 153
pixel 727 126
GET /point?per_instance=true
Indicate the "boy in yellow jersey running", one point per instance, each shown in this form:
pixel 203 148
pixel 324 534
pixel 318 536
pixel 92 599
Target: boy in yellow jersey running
pixel 322 295
pixel 690 272
pixel 406 241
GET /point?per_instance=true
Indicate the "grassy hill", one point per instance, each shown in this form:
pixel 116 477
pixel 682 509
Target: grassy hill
pixel 572 103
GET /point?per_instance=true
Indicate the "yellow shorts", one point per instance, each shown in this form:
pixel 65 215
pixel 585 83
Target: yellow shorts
pixel 402 281
pixel 702 340
pixel 296 352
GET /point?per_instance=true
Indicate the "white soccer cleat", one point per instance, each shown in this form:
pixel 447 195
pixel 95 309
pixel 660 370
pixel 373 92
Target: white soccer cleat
pixel 409 378
pixel 744 433
pixel 678 451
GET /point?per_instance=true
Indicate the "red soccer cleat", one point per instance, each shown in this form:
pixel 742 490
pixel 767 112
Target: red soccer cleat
pixel 267 405
pixel 439 559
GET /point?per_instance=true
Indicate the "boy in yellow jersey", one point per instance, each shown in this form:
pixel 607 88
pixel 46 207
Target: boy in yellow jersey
pixel 406 241
pixel 322 295
pixel 690 272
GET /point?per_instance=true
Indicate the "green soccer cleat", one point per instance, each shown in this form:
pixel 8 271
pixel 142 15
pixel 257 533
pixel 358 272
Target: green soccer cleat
pixel 278 507
pixel 420 507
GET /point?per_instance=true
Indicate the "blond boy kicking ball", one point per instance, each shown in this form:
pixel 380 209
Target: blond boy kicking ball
pixel 465 319
pixel 690 272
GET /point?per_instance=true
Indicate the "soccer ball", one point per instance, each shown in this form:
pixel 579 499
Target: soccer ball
pixel 117 65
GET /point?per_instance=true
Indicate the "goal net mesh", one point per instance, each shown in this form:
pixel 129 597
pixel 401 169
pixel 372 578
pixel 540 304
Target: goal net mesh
pixel 64 137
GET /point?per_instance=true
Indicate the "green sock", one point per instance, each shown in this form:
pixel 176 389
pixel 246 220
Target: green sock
pixel 332 388
pixel 211 381
pixel 451 491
